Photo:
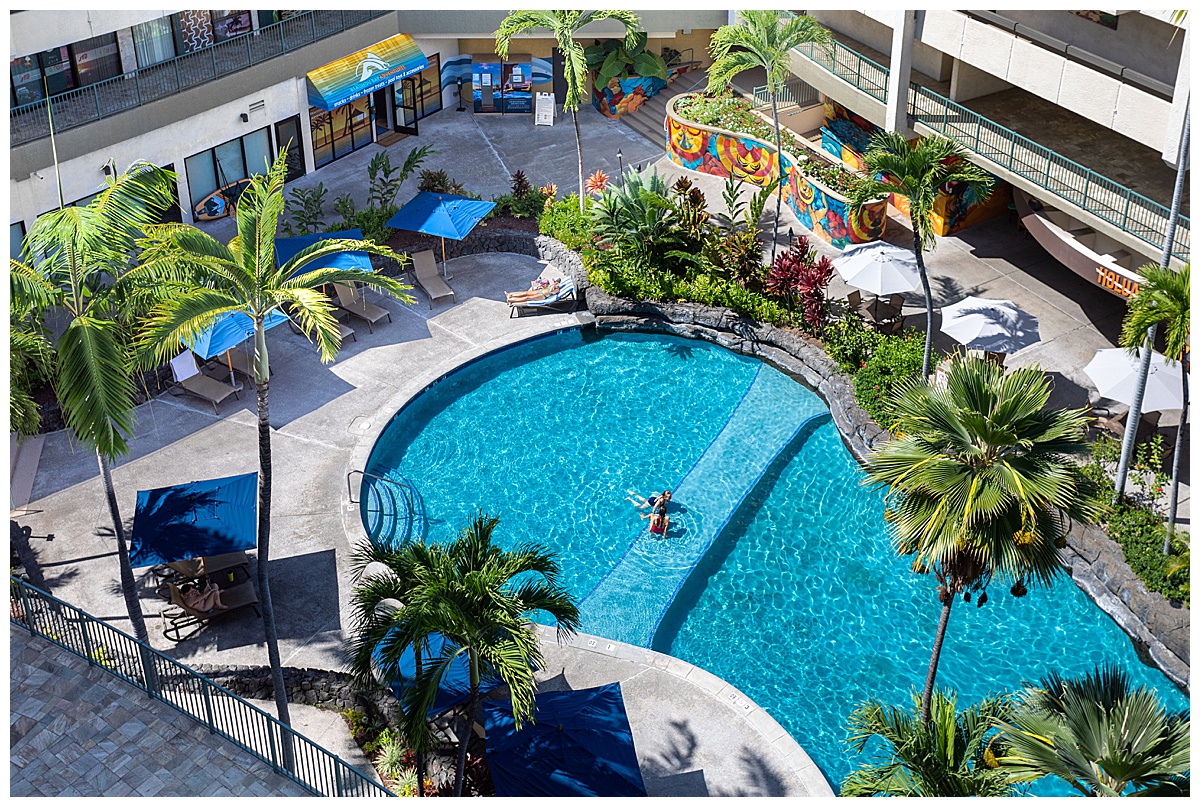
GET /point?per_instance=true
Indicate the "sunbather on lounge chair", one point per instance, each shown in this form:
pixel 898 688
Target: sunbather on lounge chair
pixel 534 293
pixel 208 600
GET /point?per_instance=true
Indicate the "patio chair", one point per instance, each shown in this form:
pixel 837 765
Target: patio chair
pixel 210 567
pixel 426 273
pixel 188 377
pixel 344 330
pixel 184 622
pixel 566 294
pixel 352 300
pixel 854 300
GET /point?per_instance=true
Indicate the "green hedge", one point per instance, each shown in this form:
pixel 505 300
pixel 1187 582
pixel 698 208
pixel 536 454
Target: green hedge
pixel 1141 534
pixel 894 359
pixel 562 220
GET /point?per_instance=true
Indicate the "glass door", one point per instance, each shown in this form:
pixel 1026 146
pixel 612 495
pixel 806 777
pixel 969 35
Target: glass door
pixel 408 101
pixel 287 133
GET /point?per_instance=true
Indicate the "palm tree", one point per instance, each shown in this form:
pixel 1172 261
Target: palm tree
pixel 480 598
pixel 1164 298
pixel 564 25
pixel 73 255
pixel 30 353
pixel 192 279
pixel 950 755
pixel 1099 736
pixel 982 483
pixel 917 171
pixel 764 39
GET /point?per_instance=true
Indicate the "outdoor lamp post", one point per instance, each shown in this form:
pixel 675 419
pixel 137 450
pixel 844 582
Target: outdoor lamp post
pixel 621 167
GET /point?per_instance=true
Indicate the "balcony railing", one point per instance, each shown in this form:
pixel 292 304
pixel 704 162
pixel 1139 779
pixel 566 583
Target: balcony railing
pixel 291 755
pixel 792 94
pixel 1061 176
pixel 112 96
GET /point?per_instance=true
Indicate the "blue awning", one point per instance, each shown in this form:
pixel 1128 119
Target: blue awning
pixel 579 745
pixel 455 686
pixel 440 214
pixel 288 248
pixel 195 520
pixel 365 71
pixel 229 330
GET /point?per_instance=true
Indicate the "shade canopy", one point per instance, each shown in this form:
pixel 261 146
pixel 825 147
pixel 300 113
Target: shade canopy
pixel 288 248
pixel 996 326
pixel 455 686
pixel 365 71
pixel 879 267
pixel 440 214
pixel 1115 372
pixel 579 745
pixel 229 330
pixel 195 520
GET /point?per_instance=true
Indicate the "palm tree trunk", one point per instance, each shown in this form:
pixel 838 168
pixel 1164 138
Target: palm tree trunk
pixel 465 736
pixel 418 749
pixel 779 158
pixel 928 301
pixel 1173 506
pixel 579 152
pixel 264 549
pixel 1134 416
pixel 128 584
pixel 936 656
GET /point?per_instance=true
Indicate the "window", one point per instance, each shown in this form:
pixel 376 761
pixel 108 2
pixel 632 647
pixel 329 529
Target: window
pixel 27 72
pixel 338 132
pixel 154 42
pixel 224 165
pixel 193 31
pixel 228 24
pixel 16 238
pixel 96 59
pixel 431 85
pixel 287 133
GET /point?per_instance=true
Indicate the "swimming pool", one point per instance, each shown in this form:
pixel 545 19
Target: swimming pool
pixel 778 575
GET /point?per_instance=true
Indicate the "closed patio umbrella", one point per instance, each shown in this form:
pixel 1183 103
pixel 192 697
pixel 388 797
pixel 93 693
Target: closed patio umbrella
pixel 995 326
pixel 1114 371
pixel 879 267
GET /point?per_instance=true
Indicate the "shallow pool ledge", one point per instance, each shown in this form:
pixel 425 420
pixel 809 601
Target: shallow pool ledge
pixel 728 703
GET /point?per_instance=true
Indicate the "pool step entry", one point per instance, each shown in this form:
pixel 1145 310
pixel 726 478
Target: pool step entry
pixel 628 604
pixel 392 509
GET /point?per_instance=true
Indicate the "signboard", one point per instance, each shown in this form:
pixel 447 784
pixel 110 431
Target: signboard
pixel 365 71
pixel 545 109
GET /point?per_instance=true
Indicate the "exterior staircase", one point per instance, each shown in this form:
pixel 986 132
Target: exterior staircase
pixel 650 119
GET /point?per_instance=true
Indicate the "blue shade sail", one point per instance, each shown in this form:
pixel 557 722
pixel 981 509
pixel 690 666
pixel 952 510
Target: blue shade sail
pixel 195 520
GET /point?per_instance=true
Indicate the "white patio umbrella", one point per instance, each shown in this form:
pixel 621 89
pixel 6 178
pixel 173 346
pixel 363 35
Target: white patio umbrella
pixel 879 267
pixel 996 326
pixel 1114 372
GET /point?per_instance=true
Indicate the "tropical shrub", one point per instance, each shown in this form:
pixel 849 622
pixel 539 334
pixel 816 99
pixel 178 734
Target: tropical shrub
pixel 801 275
pixel 894 359
pixel 438 181
pixel 523 202
pixel 562 220
pixel 1140 533
pixel 305 208
pixel 616 58
pixel 849 342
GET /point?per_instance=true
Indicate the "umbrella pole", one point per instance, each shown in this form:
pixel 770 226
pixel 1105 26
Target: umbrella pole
pixel 229 361
pixel 444 259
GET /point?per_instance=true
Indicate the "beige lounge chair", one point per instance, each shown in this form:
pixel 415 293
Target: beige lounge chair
pixel 426 273
pixel 184 622
pixel 352 300
pixel 189 378
pixel 212 567
pixel 242 362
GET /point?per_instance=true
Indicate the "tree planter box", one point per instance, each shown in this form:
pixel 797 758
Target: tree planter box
pixel 724 153
pixel 621 96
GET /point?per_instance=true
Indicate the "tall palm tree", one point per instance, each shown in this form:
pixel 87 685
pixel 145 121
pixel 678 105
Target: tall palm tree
pixel 73 255
pixel 981 483
pixel 479 597
pixel 917 171
pixel 1164 298
pixel 950 755
pixel 564 25
pixel 1099 736
pixel 192 279
pixel 763 39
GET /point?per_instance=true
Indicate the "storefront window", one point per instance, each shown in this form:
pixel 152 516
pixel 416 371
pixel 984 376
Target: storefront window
pixel 224 165
pixel 430 82
pixel 56 64
pixel 26 80
pixel 96 59
pixel 228 24
pixel 340 131
pixel 193 31
pixel 322 136
pixel 154 42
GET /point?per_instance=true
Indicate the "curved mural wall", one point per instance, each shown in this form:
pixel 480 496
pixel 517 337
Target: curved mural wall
pixel 724 153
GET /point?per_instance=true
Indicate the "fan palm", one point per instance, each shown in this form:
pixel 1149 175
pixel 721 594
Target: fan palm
pixel 1164 298
pixel 191 279
pixel 981 482
pixel 764 39
pixel 480 598
pixel 74 254
pixel 1099 736
pixel 949 755
pixel 917 171
pixel 564 25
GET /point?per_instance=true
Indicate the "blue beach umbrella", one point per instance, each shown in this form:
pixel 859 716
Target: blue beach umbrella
pixel 195 520
pixel 442 214
pixel 229 330
pixel 288 248
pixel 455 686
pixel 579 745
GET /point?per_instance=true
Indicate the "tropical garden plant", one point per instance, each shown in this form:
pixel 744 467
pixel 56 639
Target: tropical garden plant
pixel 616 58
pixel 801 276
pixel 73 255
pixel 473 593
pixel 564 25
pixel 953 754
pixel 190 279
pixel 982 483
pixel 30 354
pixel 916 171
pixel 1098 735
pixel 763 39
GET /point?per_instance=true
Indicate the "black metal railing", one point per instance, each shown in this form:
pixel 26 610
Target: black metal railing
pixel 104 99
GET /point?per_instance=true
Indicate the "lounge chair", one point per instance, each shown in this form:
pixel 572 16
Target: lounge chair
pixel 426 273
pixel 565 294
pixel 211 567
pixel 184 622
pixel 351 300
pixel 243 362
pixel 189 378
pixel 344 330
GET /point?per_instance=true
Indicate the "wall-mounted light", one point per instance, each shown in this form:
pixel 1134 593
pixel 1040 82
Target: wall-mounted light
pixel 245 118
pixel 107 169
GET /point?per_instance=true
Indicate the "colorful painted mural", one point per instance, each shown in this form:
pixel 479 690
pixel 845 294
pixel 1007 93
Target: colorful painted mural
pixel 720 153
pixel 622 96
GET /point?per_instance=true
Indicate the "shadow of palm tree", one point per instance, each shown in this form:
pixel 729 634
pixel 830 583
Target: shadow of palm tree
pixel 762 779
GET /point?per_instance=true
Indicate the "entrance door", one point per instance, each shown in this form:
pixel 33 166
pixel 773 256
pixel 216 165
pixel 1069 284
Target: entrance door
pixel 383 112
pixel 559 76
pixel 408 106
pixel 287 133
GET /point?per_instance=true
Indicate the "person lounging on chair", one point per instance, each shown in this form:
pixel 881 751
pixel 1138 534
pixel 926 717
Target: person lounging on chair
pixel 559 291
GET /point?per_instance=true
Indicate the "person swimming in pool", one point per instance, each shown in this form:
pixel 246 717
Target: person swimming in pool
pixel 660 522
pixel 642 503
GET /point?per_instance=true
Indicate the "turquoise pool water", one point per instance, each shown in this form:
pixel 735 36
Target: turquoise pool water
pixel 797 598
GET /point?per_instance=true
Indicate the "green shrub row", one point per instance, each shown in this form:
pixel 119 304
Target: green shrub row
pixel 562 220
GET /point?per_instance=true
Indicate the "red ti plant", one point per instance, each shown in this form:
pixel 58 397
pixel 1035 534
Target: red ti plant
pixel 800 277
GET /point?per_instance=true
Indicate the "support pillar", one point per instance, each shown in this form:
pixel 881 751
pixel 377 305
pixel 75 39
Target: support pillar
pixel 900 72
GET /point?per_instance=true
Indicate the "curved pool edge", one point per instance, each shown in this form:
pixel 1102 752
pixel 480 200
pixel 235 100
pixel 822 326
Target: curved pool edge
pixel 717 690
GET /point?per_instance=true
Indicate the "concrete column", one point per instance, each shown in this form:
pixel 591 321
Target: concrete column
pixel 967 82
pixel 126 50
pixel 900 72
pixel 1179 102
